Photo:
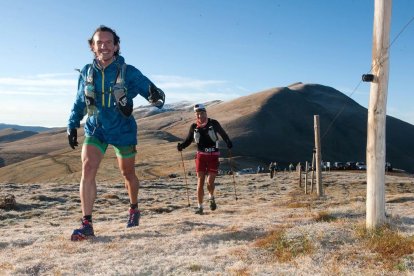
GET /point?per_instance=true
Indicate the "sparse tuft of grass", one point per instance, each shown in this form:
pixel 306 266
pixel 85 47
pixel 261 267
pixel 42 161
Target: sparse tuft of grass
pixel 241 272
pixel 238 253
pixel 324 216
pixel 6 266
pixel 298 205
pixel 390 245
pixel 194 267
pixel 400 266
pixel 285 249
pixel 110 196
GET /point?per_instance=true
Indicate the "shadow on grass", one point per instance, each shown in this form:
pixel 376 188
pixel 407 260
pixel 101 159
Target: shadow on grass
pixel 127 236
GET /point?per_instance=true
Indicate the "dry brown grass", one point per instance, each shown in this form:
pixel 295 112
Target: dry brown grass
pixel 6 266
pixel 240 254
pixel 240 272
pixel 110 196
pixel 285 249
pixel 388 244
pixel 298 205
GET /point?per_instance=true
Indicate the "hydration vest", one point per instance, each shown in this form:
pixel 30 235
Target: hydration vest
pixel 90 93
pixel 211 133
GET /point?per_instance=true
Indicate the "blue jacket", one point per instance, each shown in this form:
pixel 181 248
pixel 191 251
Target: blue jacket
pixel 109 125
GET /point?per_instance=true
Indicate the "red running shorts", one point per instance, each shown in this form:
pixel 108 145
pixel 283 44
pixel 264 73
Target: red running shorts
pixel 207 162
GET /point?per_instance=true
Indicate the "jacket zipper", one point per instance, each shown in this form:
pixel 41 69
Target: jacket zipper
pixel 103 88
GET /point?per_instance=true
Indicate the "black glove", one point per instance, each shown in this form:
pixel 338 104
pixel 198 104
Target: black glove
pixel 229 144
pixel 179 147
pixel 73 137
pixel 156 96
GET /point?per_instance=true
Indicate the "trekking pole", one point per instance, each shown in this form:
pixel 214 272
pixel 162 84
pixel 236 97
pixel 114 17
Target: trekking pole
pixel 185 177
pixel 232 173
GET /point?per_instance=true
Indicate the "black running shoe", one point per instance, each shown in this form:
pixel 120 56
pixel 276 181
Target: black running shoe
pixel 134 216
pixel 213 205
pixel 199 211
pixel 84 232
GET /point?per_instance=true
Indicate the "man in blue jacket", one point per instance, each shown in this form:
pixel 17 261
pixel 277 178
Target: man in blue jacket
pixel 106 89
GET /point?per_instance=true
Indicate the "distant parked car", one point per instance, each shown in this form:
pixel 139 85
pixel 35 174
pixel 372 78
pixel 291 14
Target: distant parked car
pixel 361 166
pixel 351 166
pixel 327 165
pixel 339 166
pixel 245 171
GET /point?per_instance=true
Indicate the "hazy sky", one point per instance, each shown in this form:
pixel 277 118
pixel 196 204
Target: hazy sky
pixel 198 50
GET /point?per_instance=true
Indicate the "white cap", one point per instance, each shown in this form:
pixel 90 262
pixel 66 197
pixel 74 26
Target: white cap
pixel 199 107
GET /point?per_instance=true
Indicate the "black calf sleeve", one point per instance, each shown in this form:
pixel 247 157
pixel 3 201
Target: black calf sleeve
pixel 88 218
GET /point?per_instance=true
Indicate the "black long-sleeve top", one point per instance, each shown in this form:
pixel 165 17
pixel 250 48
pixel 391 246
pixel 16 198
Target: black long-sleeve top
pixel 206 143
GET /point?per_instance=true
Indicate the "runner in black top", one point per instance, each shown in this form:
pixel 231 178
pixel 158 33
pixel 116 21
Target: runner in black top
pixel 204 133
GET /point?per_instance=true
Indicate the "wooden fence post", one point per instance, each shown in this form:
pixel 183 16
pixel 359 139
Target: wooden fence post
pixel 306 176
pixel 319 187
pixel 313 170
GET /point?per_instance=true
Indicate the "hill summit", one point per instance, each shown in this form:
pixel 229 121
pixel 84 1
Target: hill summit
pixel 271 125
pixel 278 125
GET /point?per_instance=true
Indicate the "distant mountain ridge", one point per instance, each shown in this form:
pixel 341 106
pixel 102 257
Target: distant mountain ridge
pixel 148 110
pixel 271 125
pixel 12 134
pixel 26 128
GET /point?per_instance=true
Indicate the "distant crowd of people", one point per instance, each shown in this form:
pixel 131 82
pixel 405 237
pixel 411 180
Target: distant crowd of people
pixel 273 168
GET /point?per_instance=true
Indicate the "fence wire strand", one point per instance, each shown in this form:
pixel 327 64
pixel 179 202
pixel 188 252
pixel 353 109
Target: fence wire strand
pixel 370 70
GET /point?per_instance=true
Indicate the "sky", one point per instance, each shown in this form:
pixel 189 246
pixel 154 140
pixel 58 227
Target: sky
pixel 197 50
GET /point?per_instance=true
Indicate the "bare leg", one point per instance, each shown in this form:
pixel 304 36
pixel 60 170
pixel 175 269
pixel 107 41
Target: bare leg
pixel 127 168
pixel 210 183
pixel 200 186
pixel 91 158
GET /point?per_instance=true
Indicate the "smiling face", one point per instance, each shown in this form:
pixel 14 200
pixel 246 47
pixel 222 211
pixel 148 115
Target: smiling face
pixel 104 47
